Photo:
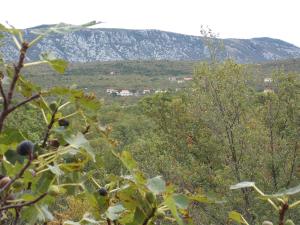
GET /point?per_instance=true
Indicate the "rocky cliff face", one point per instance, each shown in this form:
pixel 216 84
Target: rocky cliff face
pixel 88 45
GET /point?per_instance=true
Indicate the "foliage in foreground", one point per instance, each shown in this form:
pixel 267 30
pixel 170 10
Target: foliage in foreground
pixel 219 132
pixel 38 174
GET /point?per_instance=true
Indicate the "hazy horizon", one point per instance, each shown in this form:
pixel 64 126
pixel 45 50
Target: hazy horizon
pixel 230 19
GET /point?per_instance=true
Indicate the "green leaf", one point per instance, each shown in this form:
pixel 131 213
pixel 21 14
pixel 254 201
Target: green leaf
pixel 245 184
pixel 287 192
pixel 12 31
pixel 204 199
pixel 114 212
pixel 139 217
pixel 128 197
pixel 69 222
pixel 181 201
pixel 63 28
pixel 26 87
pixel 289 222
pixel 59 65
pixel 45 214
pixel 79 141
pixel 237 217
pixel 40 212
pixel 44 182
pixel 12 156
pixel 170 202
pixel 56 170
pixel 127 160
pixel 88 219
pixel 11 137
pixel 157 185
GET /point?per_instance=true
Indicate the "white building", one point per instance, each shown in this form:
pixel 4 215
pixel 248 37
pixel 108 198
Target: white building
pixel 160 91
pixel 268 80
pixel 146 91
pixel 268 90
pixel 111 91
pixel 125 93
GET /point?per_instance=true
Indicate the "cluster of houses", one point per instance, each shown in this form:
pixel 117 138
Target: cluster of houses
pixel 180 80
pixel 126 92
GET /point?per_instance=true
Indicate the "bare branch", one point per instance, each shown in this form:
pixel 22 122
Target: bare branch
pixel 19 206
pixel 23 102
pixel 19 175
pixel 17 68
pixel 3 96
pixel 17 216
pixel 149 217
pixel 49 127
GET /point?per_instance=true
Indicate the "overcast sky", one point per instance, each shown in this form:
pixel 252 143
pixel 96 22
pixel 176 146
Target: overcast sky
pixel 230 18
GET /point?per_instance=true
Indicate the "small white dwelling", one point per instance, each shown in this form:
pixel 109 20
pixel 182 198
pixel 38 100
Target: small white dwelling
pixel 125 93
pixel 187 78
pixel 160 91
pixel 111 91
pixel 172 78
pixel 146 91
pixel 268 80
pixel 268 90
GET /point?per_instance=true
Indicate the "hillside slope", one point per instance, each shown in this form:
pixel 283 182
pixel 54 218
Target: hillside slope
pixel 89 45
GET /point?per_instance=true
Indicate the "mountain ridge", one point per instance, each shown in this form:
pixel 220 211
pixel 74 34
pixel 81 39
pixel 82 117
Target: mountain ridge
pixel 112 44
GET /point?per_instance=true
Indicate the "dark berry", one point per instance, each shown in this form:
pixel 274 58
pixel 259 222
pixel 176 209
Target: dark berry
pixel 63 122
pixel 25 148
pixel 102 192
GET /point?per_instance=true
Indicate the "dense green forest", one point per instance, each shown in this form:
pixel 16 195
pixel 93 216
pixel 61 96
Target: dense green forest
pixel 165 158
pixel 138 75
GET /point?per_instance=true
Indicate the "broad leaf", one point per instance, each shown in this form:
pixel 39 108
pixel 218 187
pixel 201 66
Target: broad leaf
pixel 290 191
pixel 79 141
pixel 170 202
pixel 181 201
pixel 245 184
pixel 237 217
pixel 58 65
pixel 114 212
pixel 157 185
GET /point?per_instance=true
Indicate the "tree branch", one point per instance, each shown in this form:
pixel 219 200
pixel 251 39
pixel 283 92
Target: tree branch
pixel 19 175
pixel 148 218
pixel 8 97
pixel 19 206
pixel 17 69
pixel 293 165
pixel 282 212
pixel 17 216
pixel 3 96
pixel 49 127
pixel 23 103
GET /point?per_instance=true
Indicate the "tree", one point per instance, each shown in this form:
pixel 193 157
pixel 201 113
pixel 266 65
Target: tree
pixel 61 162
